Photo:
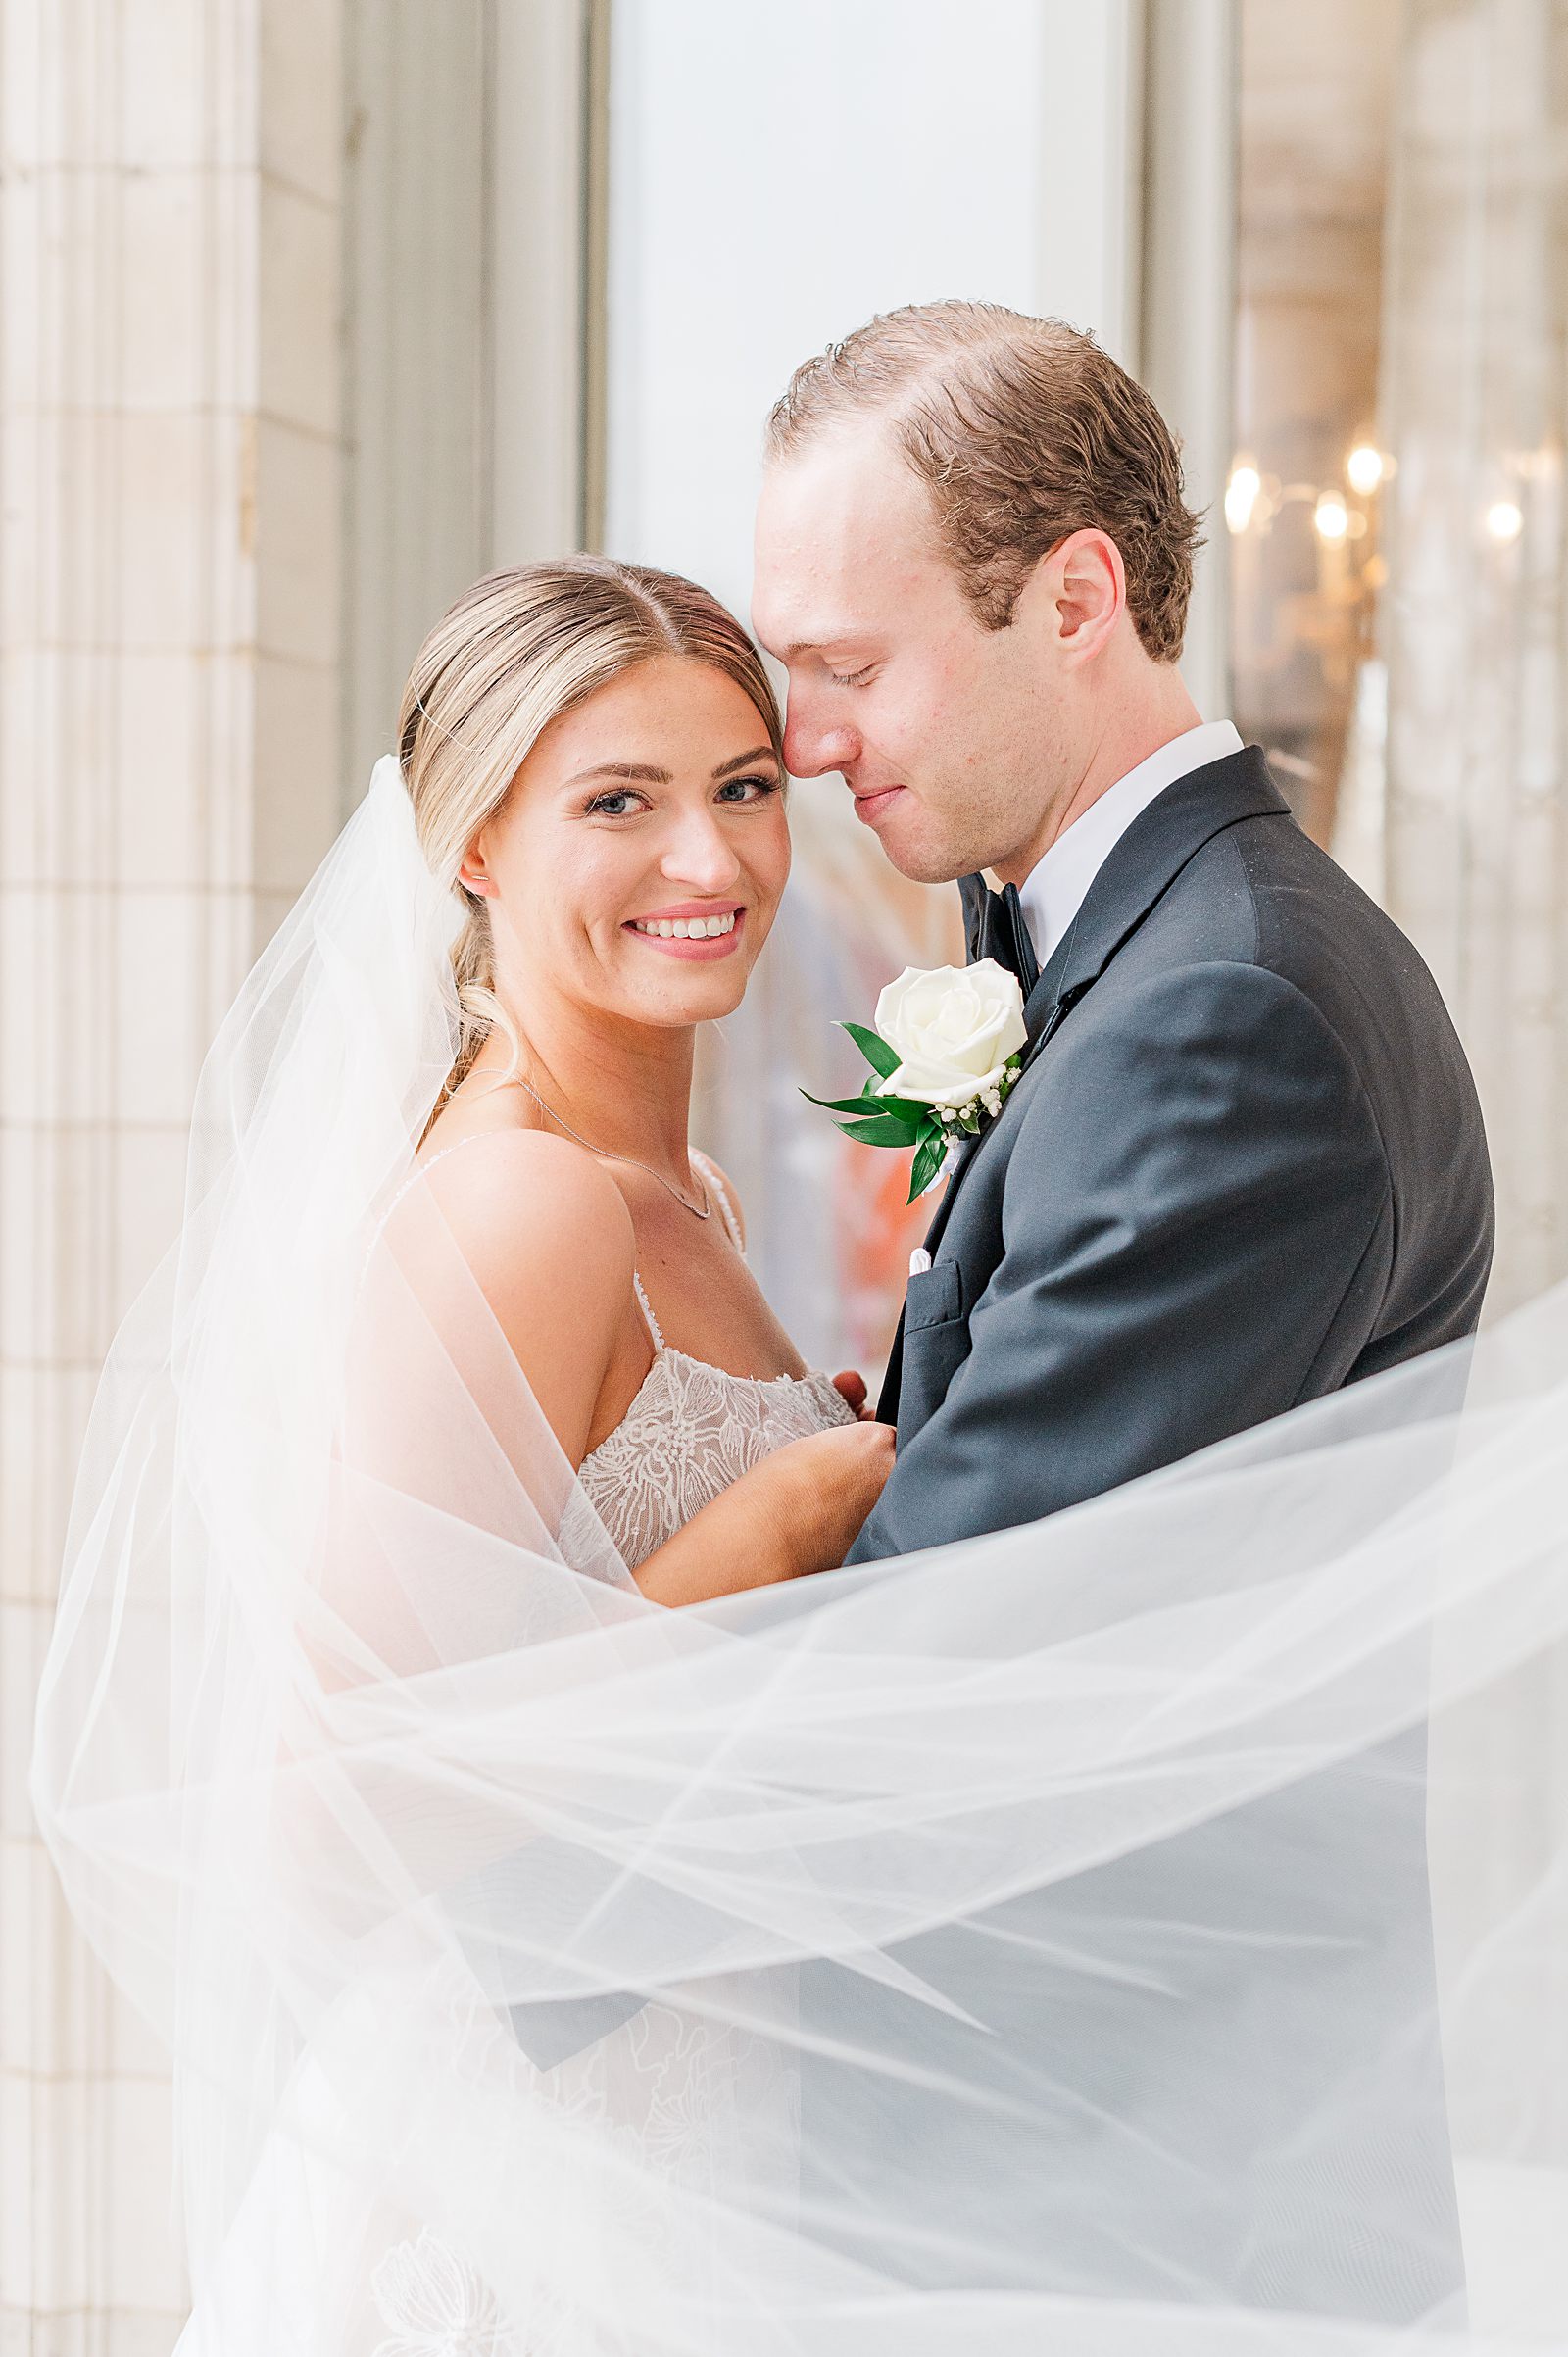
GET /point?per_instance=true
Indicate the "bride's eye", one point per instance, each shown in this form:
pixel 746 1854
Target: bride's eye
pixel 747 789
pixel 620 803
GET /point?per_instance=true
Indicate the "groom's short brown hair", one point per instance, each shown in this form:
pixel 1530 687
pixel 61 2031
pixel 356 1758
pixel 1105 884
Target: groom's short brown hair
pixel 1025 430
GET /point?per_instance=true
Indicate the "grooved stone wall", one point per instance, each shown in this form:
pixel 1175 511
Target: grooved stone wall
pixel 171 462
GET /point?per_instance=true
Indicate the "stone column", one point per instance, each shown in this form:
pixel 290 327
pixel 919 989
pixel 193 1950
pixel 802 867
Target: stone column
pixel 170 485
pixel 1187 352
pixel 1475 629
pixel 471 395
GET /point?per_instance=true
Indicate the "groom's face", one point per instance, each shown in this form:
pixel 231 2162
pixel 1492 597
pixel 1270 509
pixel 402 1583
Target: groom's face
pixel 948 734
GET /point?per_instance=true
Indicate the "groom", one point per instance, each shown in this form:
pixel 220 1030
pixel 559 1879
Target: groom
pixel 1245 1163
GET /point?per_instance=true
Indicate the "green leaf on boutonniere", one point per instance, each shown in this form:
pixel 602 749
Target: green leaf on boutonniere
pixel 871 1101
pixel 912 1109
pixel 874 1048
pixel 885 1129
pixel 928 1162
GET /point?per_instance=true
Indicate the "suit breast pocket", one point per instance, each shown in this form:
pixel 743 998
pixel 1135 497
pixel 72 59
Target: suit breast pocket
pixel 936 1344
pixel 933 1297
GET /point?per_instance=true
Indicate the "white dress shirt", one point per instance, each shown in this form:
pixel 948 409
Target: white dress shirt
pixel 1054 889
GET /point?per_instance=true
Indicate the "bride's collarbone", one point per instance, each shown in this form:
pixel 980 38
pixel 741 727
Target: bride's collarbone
pixel 706 1303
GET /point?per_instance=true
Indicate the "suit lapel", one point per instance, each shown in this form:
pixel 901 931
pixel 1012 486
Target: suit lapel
pixel 1140 869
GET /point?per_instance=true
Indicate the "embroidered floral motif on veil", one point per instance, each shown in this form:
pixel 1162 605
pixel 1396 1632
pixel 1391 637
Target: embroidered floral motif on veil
pixel 437 2304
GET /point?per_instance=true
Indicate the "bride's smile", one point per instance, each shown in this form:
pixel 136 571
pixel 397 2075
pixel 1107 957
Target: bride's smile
pixel 693 930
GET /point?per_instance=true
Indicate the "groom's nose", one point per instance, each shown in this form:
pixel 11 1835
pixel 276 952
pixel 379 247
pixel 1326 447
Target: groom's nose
pixel 815 746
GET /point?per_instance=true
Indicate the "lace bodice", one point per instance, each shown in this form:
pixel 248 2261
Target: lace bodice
pixel 690 1432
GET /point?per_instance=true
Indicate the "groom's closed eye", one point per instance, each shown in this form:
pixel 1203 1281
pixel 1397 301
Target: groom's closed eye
pixel 852 678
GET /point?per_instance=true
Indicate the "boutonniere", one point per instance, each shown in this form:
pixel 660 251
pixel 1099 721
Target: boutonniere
pixel 947 1049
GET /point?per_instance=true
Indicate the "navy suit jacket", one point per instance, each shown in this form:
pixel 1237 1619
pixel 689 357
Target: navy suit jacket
pixel 1244 1164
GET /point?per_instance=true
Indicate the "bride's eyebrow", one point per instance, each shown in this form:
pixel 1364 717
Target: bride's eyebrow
pixel 744 761
pixel 637 773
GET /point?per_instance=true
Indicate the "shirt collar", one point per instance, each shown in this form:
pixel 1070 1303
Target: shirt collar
pixel 1056 887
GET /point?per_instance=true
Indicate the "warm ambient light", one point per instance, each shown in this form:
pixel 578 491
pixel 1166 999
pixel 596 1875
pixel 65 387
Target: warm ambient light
pixel 1331 516
pixel 1241 494
pixel 1504 523
pixel 1364 469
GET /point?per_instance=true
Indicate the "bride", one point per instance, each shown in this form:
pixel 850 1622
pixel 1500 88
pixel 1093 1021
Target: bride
pixel 1025 1945
pixel 594 750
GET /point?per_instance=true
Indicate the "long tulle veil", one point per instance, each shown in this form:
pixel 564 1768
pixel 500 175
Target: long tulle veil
pixel 1140 1932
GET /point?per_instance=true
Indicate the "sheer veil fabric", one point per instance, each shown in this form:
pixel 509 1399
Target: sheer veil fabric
pixel 1030 1946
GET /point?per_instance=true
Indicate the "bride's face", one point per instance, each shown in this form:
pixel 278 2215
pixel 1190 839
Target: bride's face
pixel 638 861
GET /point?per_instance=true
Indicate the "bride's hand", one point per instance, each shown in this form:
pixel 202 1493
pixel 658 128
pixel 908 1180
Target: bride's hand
pixel 796 1512
pixel 851 1387
pixel 821 1489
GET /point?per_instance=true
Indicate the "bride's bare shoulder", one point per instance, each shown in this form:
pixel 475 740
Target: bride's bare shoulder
pixel 534 1228
pixel 537 1219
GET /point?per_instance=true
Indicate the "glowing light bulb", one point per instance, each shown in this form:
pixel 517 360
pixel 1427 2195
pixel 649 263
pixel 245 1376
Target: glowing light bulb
pixel 1504 523
pixel 1331 516
pixel 1364 469
pixel 1241 494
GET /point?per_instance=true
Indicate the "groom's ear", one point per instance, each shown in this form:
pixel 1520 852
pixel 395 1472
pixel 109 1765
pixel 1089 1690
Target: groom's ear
pixel 1088 590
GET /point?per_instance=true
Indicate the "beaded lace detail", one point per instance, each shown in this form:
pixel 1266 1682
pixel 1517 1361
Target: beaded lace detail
pixel 690 1432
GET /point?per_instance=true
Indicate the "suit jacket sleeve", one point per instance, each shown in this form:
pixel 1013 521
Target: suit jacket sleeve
pixel 1196 1230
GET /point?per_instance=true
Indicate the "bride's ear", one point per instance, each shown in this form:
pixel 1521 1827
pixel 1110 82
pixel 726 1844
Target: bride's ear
pixel 473 877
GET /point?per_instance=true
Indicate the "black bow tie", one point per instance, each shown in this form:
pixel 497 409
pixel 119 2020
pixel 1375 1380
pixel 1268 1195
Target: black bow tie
pixel 994 926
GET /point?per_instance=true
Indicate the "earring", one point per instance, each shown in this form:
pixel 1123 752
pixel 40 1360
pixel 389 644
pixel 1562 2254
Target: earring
pixel 481 886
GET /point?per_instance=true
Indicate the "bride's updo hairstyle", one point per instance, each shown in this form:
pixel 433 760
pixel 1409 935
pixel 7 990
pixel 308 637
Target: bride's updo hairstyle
pixel 516 651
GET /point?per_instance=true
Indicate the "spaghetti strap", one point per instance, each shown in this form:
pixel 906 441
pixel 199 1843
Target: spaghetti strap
pixel 712 1179
pixel 421 1171
pixel 647 1308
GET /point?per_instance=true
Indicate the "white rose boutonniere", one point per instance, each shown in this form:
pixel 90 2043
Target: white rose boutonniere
pixel 946 1050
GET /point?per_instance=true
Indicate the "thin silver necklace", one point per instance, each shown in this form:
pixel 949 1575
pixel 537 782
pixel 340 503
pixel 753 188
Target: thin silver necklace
pixel 515 1080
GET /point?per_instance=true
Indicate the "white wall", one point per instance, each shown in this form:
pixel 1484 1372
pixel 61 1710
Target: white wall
pixel 776 176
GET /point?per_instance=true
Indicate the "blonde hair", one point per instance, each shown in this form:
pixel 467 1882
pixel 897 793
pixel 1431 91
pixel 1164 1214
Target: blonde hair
pixel 516 651
pixel 1024 432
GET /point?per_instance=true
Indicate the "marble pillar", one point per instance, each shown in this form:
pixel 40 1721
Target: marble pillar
pixel 171 480
pixel 1475 621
